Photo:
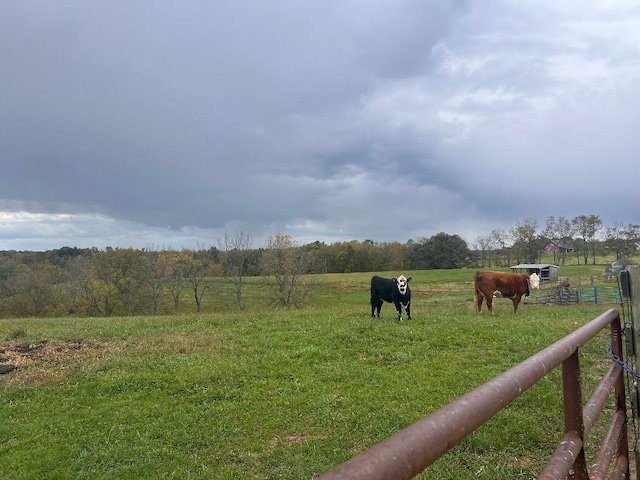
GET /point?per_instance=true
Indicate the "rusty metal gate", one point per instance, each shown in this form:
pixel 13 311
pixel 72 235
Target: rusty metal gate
pixel 411 450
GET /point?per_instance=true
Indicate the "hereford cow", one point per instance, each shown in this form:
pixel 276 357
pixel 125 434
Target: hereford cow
pixel 393 290
pixel 508 285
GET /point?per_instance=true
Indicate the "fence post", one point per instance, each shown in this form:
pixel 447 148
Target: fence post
pixel 634 297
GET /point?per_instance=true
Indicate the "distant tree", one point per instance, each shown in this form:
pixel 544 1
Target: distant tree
pixel 129 269
pixel 195 273
pixel 484 249
pixel 104 283
pixel 418 253
pixel 89 293
pixel 561 232
pixel 500 240
pixel 157 278
pixel 524 240
pixel 284 265
pixel 346 259
pixel 587 229
pixel 621 240
pixel 394 256
pixel 236 261
pixel 446 251
pixel 35 287
pixel 317 253
pixel 178 267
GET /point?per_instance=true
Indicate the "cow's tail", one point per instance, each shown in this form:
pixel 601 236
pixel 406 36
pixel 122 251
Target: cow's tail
pixel 476 291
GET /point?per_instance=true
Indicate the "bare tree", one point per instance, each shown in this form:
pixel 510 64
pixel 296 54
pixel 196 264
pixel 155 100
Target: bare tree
pixel 158 276
pixel 483 245
pixel 195 272
pixel 178 267
pixel 284 265
pixel 236 257
pixel 90 293
pixel 501 240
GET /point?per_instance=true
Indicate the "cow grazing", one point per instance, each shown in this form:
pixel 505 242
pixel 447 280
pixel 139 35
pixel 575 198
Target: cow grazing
pixel 508 285
pixel 392 290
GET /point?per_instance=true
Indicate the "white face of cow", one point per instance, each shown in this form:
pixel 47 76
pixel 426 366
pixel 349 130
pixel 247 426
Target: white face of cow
pixel 534 281
pixel 402 283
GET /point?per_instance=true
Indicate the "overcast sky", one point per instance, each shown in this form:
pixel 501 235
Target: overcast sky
pixel 168 123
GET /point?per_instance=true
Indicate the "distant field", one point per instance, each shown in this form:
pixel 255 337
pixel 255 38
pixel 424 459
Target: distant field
pixel 265 394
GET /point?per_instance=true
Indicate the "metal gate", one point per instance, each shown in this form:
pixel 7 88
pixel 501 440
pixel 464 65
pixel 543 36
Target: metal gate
pixel 411 450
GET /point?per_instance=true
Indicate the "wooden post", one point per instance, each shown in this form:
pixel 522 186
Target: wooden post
pixel 634 297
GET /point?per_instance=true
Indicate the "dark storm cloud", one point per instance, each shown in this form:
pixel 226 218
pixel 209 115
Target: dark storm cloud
pixel 324 120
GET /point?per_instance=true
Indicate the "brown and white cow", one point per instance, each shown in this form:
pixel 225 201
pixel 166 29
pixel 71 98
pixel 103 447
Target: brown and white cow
pixel 509 285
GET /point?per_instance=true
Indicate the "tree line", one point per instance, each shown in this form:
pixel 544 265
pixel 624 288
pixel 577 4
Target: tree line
pixel 125 281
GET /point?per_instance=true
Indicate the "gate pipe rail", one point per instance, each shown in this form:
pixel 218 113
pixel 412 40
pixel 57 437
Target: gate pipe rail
pixel 408 452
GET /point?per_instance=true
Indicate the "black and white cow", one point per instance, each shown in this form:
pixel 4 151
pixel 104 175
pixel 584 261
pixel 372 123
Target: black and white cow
pixel 393 290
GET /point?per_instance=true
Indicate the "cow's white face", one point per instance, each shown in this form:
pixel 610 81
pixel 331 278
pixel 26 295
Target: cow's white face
pixel 534 281
pixel 402 283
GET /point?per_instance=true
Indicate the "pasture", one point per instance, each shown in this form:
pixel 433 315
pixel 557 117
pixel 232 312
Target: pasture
pixel 264 394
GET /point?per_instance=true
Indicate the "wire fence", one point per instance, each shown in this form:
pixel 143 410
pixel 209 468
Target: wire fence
pixel 601 295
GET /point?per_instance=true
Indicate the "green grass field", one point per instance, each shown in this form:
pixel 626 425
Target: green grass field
pixel 264 394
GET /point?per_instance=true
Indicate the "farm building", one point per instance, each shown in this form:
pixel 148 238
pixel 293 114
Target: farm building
pixel 557 247
pixel 547 271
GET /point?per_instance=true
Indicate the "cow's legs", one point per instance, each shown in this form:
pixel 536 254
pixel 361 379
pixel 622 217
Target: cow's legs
pixel 376 305
pixel 478 297
pixel 516 302
pixel 408 309
pixel 398 306
pixel 489 299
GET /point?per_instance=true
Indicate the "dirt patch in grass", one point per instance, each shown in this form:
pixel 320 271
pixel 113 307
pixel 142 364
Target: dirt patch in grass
pixel 48 361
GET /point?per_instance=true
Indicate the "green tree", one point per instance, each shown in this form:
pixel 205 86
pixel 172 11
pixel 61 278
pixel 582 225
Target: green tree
pixel 524 240
pixel 446 251
pixel 587 228
pixel 621 240
pixel 418 253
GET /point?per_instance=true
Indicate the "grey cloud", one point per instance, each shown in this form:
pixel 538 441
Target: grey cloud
pixel 385 120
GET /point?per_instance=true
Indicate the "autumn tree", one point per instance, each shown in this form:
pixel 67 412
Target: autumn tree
pixel 34 287
pixel 90 294
pixel 158 278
